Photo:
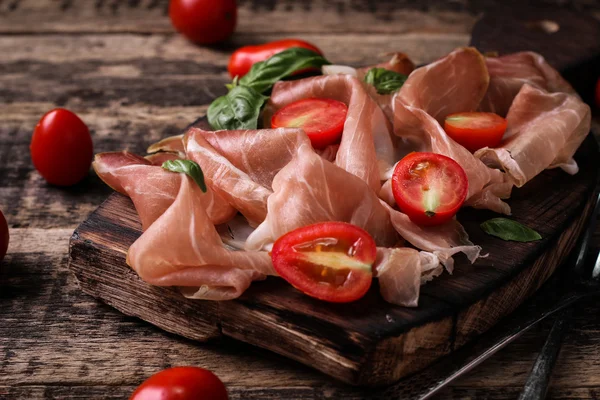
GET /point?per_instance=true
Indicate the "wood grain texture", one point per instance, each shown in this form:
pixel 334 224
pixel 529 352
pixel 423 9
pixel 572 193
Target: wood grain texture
pixel 369 342
pixel 59 343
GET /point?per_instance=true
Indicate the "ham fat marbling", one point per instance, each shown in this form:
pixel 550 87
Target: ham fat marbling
pixel 267 182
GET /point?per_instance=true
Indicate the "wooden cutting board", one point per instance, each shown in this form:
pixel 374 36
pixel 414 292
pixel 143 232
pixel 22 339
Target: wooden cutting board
pixel 369 342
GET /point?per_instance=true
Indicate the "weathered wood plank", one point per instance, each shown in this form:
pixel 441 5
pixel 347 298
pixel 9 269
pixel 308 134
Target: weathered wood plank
pixel 266 16
pixel 74 340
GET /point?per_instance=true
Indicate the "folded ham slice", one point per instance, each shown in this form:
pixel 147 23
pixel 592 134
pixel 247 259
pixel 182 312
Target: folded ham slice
pixel 366 149
pixel 171 144
pixel 452 84
pixel 544 131
pixel 401 271
pixel 399 63
pixel 510 72
pixel 151 188
pixel 310 189
pixel 182 248
pixel 241 165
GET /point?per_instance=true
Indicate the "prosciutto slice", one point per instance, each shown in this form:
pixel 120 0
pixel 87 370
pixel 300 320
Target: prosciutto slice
pixel 240 165
pixel 366 127
pixel 310 189
pixel 182 248
pixel 544 131
pixel 401 271
pixel 152 189
pixel 509 73
pixel 171 144
pixel 454 83
pixel 399 63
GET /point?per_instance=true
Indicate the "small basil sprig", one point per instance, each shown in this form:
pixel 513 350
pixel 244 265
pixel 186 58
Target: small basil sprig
pixel 507 229
pixel 240 108
pixel 263 75
pixel 189 168
pixel 384 80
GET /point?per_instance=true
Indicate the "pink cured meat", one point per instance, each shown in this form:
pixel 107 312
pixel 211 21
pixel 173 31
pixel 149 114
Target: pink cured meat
pixel 401 271
pixel 399 63
pixel 240 165
pixel 151 188
pixel 182 248
pixel 544 131
pixel 454 83
pixel 366 127
pixel 309 190
pixel 171 144
pixel 510 72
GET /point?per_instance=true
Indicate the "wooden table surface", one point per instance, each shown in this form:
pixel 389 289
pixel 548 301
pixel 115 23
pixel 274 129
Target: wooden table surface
pixel 120 66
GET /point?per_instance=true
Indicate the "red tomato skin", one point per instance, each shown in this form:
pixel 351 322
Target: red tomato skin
pixel 474 139
pixel 328 134
pixel 598 93
pixel 4 236
pixel 358 283
pixel 181 383
pixel 243 58
pixel 416 215
pixel 204 21
pixel 61 148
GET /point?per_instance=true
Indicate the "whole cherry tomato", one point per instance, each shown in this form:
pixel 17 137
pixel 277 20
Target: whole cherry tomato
pixel 243 58
pixel 4 236
pixel 331 261
pixel 322 119
pixel 204 21
pixel 181 383
pixel 61 147
pixel 429 187
pixel 475 130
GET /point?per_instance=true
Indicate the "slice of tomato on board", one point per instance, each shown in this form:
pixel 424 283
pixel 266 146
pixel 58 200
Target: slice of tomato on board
pixel 429 188
pixel 322 119
pixel 331 261
pixel 475 130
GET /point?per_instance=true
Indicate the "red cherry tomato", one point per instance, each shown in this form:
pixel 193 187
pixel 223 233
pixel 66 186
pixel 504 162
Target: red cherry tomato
pixel 429 187
pixel 331 261
pixel 204 21
pixel 61 148
pixel 598 93
pixel 181 383
pixel 322 119
pixel 243 58
pixel 4 236
pixel 475 130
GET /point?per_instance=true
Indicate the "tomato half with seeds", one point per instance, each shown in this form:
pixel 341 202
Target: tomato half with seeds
pixel 245 57
pixel 181 383
pixel 322 119
pixel 475 130
pixel 429 188
pixel 331 261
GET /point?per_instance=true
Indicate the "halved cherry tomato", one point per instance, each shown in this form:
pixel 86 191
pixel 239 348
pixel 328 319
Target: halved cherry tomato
pixel 322 119
pixel 204 21
pixel 429 187
pixel 243 58
pixel 475 130
pixel 331 261
pixel 4 236
pixel 181 383
pixel 61 148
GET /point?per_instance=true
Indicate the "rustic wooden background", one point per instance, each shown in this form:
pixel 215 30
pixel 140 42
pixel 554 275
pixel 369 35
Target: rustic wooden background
pixel 119 65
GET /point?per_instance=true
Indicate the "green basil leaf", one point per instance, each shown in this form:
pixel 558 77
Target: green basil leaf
pixel 385 81
pixel 238 109
pixel 263 75
pixel 189 168
pixel 507 229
